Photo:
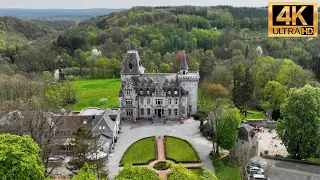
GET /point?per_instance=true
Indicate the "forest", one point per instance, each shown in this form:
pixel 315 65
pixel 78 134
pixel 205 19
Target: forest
pixel 228 45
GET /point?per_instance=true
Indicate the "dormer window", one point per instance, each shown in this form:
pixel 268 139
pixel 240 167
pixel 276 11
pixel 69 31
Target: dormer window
pixel 141 91
pixel 130 65
pixel 175 92
pixel 148 91
pixel 169 92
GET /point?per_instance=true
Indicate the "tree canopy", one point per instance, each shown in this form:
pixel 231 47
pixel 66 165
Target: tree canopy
pixel 136 173
pixel 299 129
pixel 19 158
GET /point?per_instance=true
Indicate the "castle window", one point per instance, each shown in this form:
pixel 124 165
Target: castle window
pixel 129 112
pixel 169 112
pixel 169 92
pixel 159 101
pixel 184 72
pixel 129 102
pixel 175 92
pixel 148 91
pixel 128 92
pixel 183 109
pixel 141 101
pixel 175 112
pixel 148 111
pixel 176 101
pixel 142 111
pixel 141 91
pixel 169 101
pixel 148 101
pixel 130 65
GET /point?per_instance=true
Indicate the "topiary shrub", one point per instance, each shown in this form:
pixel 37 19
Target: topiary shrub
pixel 161 165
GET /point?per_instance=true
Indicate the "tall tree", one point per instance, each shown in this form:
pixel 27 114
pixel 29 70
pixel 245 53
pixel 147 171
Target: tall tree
pixel 299 129
pixel 227 129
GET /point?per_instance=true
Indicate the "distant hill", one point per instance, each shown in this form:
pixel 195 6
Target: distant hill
pixel 56 14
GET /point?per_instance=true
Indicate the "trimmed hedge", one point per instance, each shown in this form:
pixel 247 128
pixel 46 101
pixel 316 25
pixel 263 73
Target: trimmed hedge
pixel 125 156
pixel 198 160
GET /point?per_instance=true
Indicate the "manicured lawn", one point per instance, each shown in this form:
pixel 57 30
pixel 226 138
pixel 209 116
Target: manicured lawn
pixel 179 150
pixel 142 151
pixel 91 91
pixel 224 169
pixel 253 114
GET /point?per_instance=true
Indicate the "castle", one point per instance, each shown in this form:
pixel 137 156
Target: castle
pixel 166 96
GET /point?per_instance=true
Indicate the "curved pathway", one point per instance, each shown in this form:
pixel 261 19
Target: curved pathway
pixel 188 131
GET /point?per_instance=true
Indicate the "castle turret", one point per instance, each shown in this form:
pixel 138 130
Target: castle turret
pixel 189 82
pixel 131 65
pixel 184 65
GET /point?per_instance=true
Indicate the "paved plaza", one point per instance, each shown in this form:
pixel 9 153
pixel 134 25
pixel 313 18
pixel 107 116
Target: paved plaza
pixel 135 131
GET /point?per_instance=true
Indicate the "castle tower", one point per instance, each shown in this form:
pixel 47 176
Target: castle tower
pixel 189 82
pixel 131 65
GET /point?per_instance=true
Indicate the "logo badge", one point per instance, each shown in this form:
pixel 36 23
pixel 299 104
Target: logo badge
pixel 293 19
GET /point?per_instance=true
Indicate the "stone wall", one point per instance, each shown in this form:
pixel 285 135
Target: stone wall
pixel 262 123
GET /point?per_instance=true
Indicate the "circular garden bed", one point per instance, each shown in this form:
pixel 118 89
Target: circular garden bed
pixel 161 165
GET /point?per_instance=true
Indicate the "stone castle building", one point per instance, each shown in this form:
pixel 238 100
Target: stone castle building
pixel 166 96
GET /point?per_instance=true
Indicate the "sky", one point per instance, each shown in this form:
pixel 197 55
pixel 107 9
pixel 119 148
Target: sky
pixel 86 4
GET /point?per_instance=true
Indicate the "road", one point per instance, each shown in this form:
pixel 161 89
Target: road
pixel 285 170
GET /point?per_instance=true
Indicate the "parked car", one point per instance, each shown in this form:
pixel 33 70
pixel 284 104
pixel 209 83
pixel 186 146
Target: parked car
pixel 260 177
pixel 256 170
pixel 251 164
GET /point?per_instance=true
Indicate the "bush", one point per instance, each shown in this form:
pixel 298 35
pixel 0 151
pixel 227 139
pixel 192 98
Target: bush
pixel 266 152
pixel 136 173
pixel 162 165
pixel 198 116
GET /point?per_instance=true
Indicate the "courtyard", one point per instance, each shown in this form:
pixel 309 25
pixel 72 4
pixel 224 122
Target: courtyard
pixel 132 132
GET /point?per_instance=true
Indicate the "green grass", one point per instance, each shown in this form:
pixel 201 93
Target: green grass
pixel 254 115
pixel 315 160
pixel 140 152
pixel 224 169
pixel 179 150
pixel 92 90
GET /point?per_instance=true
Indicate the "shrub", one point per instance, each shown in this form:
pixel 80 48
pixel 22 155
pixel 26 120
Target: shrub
pixel 162 165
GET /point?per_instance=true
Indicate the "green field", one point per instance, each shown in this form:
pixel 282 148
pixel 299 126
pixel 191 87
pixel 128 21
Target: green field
pixel 253 114
pixel 224 169
pixel 140 152
pixel 179 150
pixel 91 91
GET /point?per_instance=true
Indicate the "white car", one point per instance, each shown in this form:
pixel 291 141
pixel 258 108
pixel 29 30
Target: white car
pixel 256 170
pixel 260 177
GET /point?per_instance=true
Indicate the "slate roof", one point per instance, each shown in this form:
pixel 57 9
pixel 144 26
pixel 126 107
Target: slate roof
pixel 184 64
pixel 245 132
pixel 72 123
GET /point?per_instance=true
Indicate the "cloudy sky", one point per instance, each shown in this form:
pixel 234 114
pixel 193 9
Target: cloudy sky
pixel 83 4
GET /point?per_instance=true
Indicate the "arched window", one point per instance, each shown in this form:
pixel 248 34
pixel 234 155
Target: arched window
pixel 169 91
pixel 141 91
pixel 184 72
pixel 130 65
pixel 148 91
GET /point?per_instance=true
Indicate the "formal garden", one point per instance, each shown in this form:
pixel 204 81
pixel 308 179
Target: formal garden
pixel 167 156
pixel 179 150
pixel 140 152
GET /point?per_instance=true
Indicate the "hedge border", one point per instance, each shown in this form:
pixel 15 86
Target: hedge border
pixel 149 161
pixel 290 160
pixel 175 161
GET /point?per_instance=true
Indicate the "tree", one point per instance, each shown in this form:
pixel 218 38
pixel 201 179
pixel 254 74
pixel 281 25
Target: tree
pixel 299 129
pixel 136 173
pixel 274 95
pixel 87 172
pixel 227 129
pixel 19 158
pixel 164 68
pixel 178 171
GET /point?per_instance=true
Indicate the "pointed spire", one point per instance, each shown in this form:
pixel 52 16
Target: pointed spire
pixel 184 63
